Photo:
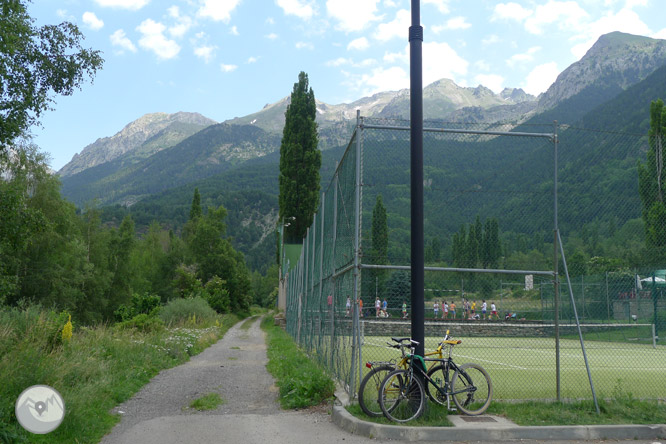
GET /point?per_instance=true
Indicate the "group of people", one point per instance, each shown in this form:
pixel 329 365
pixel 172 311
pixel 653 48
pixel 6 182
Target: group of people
pixel 468 310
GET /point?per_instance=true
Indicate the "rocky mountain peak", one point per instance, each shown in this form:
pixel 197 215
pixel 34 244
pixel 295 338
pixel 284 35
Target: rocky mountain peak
pixel 616 60
pixel 130 138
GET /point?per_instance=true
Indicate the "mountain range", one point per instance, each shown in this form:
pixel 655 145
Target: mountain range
pixel 161 156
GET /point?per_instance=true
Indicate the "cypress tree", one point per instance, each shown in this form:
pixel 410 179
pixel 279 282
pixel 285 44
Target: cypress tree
pixel 195 210
pixel 300 161
pixel 652 181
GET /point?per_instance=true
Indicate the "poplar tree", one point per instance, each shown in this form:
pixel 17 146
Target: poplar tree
pixel 652 182
pixel 300 161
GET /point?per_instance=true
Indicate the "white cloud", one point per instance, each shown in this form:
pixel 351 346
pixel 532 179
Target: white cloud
pixel 660 34
pixel 133 5
pixel 252 60
pixel 304 45
pixel 119 39
pixel 493 81
pixel 298 8
pixel 384 79
pixel 455 23
pixel 493 38
pixel 352 15
pixel 340 61
pixel 624 20
pixel 442 61
pixel 567 15
pixel 270 20
pixel 91 20
pixel 218 10
pixel 523 57
pixel 205 52
pixel 391 4
pixel 228 68
pixel 359 44
pixel 184 23
pixel 64 15
pixel 154 40
pixel 510 11
pixel 441 5
pixel 541 78
pixel 399 27
pixel 271 36
pixel 482 65
pixel 234 30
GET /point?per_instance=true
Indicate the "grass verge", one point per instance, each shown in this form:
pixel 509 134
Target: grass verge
pixel 209 401
pixel 96 370
pixel 301 381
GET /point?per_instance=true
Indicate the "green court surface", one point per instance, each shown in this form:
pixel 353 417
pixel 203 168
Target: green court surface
pixel 524 368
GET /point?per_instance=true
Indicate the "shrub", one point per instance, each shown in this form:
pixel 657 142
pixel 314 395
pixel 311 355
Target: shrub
pixel 142 322
pixel 181 311
pixel 147 304
pixel 217 295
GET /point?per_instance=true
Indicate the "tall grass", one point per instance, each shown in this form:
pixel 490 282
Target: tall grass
pixel 96 370
pixel 302 383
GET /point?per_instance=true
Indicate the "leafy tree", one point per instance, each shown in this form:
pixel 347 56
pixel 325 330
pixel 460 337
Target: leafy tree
pixel 37 63
pixel 433 250
pixel 300 161
pixel 120 249
pixel 652 181
pixel 195 210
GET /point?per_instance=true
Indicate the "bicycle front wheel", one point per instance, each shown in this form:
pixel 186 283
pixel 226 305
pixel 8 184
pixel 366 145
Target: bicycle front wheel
pixel 368 391
pixel 401 396
pixel 471 389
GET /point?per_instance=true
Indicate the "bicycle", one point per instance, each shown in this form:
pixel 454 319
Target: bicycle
pixel 368 391
pixel 402 393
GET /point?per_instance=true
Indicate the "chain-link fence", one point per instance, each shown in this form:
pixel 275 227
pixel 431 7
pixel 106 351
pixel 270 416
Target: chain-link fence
pixel 496 197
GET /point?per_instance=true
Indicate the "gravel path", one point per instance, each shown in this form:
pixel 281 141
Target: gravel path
pixel 234 367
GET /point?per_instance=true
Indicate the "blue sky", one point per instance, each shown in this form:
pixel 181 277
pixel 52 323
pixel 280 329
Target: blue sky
pixel 229 58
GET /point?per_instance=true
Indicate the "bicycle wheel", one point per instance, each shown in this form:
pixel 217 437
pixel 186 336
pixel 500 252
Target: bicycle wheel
pixel 436 373
pixel 471 389
pixel 368 391
pixel 402 397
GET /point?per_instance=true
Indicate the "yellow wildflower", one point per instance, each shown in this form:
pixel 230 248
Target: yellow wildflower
pixel 67 330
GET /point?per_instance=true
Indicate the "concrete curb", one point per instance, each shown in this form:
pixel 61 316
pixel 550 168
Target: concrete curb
pixel 482 432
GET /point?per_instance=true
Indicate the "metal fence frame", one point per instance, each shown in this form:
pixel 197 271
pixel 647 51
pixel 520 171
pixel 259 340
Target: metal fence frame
pixel 334 275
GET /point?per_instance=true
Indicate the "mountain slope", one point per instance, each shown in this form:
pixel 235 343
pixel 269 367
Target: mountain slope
pixel 615 62
pixel 156 131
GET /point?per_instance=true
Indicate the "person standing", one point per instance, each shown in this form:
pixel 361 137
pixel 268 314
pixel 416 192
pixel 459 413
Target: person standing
pixel 404 310
pixel 378 306
pixel 453 310
pixel 445 310
pixel 435 308
pixel 348 306
pixel 385 307
pixel 493 311
pixel 465 309
pixel 360 307
pixel 484 309
pixel 472 311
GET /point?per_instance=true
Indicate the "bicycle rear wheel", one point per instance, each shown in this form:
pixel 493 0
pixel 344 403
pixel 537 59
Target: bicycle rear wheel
pixel 368 391
pixel 401 396
pixel 438 377
pixel 471 389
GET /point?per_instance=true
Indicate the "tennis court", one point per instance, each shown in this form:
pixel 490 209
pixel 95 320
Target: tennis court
pixel 524 367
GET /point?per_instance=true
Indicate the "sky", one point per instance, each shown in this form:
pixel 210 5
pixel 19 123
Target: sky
pixel 229 58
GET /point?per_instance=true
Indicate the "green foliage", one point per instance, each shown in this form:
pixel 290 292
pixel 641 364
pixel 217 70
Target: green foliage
pixel 195 210
pixel 142 322
pixel 302 383
pixel 652 182
pixel 300 161
pixel 181 311
pixel 37 63
pixel 217 295
pixel 148 304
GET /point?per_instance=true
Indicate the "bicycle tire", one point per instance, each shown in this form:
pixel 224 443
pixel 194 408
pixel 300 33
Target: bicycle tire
pixel 402 397
pixel 433 394
pixel 368 391
pixel 472 389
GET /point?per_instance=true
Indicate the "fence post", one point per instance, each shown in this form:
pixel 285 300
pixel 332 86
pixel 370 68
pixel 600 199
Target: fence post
pixel 357 252
pixel 322 205
pixel 556 284
pixel 333 246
